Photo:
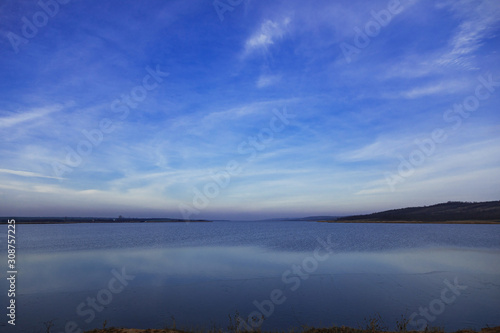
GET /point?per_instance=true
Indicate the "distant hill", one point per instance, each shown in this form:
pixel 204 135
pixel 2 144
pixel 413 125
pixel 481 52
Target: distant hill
pixel 450 211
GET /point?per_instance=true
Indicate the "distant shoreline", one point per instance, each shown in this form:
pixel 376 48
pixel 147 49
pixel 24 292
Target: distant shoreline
pixel 416 222
pixel 100 221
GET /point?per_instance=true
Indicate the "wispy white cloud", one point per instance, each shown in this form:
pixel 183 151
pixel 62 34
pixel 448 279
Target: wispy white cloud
pixel 268 80
pixel 445 171
pixel 25 173
pixel 432 89
pixel 267 34
pixel 479 20
pixel 381 148
pixel 231 119
pixel 13 119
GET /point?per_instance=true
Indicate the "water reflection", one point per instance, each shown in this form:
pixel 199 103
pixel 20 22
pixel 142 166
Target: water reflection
pixel 204 284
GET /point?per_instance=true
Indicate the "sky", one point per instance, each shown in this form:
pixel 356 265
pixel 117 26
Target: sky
pixel 246 109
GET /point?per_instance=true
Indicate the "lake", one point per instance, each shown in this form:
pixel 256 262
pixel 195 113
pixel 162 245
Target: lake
pixel 275 274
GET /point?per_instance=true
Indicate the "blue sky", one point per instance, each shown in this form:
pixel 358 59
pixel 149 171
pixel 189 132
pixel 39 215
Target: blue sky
pixel 247 109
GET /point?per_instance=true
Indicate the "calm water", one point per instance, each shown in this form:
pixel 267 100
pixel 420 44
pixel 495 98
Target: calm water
pixel 293 273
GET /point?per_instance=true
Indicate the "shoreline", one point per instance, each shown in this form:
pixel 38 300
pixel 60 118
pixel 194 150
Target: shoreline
pixel 100 221
pixel 342 329
pixel 415 222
